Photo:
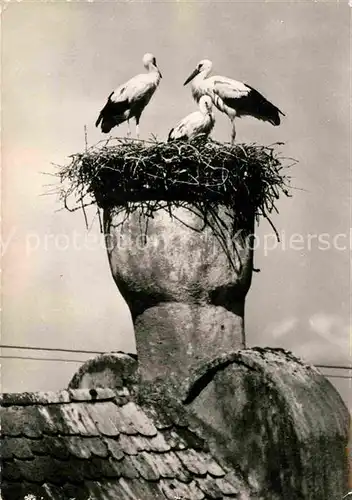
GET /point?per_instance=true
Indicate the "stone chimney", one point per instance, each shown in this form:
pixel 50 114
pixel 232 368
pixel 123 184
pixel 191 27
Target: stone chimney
pixel 185 285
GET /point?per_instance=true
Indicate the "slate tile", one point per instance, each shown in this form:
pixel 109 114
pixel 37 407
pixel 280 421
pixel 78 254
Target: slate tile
pixel 10 471
pixel 141 490
pixel 128 444
pixel 106 490
pixel 19 447
pixel 169 466
pixel 97 446
pixel 72 492
pixel 226 487
pixel 21 420
pixel 193 462
pixel 105 417
pixel 59 472
pixel 234 480
pixel 72 416
pixel 33 470
pixel 58 448
pixel 134 420
pixel 127 490
pixel 108 468
pixel 212 466
pixel 12 490
pixel 157 443
pixel 173 489
pixel 145 466
pixel 52 420
pixel 124 468
pixel 5 448
pixel 210 488
pixel 78 446
pixel 114 448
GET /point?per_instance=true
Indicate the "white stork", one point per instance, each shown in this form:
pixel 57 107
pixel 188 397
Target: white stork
pixel 198 123
pixel 130 99
pixel 231 97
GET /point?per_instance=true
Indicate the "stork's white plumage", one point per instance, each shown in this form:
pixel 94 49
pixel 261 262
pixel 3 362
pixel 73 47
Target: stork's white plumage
pixel 130 99
pixel 198 123
pixel 231 97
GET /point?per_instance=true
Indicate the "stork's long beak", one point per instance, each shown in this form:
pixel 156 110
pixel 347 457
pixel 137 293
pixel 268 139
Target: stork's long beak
pixel 195 73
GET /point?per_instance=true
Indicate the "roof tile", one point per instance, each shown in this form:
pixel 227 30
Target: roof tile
pixel 169 466
pixel 57 448
pixel 210 488
pixel 77 446
pixel 157 443
pixel 226 487
pixel 129 445
pixel 53 420
pixel 90 445
pixel 114 448
pixel 212 466
pixel 33 470
pixel 141 490
pixel 10 471
pixel 18 420
pixel 125 468
pixel 105 417
pixel 18 447
pixel 97 446
pixel 5 448
pixel 146 467
pixel 173 489
pixel 134 420
pixel 193 462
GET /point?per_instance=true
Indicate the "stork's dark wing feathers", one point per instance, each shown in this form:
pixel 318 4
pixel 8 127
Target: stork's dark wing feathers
pixel 255 104
pixel 112 114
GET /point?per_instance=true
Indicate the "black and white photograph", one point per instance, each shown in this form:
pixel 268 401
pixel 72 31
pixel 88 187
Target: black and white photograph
pixel 175 250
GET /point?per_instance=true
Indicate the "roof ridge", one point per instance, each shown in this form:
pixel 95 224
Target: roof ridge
pixel 63 396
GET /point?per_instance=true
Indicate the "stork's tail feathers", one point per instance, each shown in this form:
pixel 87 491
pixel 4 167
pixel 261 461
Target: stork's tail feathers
pixel 100 117
pixel 170 136
pixel 255 104
pixel 106 124
pixel 269 112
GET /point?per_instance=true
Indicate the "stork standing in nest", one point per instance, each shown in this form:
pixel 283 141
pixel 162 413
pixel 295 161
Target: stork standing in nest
pixel 198 123
pixel 233 98
pixel 129 100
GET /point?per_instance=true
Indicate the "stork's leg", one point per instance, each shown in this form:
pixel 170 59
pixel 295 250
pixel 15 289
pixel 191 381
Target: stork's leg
pixel 233 133
pixel 137 128
pixel 128 129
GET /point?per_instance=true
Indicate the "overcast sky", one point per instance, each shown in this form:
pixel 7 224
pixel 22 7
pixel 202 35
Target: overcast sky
pixel 60 61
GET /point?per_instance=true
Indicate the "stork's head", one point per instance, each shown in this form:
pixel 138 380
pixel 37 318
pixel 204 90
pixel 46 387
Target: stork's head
pixel 149 62
pixel 205 104
pixel 204 66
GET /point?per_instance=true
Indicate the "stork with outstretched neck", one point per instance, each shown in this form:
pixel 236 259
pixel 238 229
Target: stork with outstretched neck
pixel 233 98
pixel 200 122
pixel 129 100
